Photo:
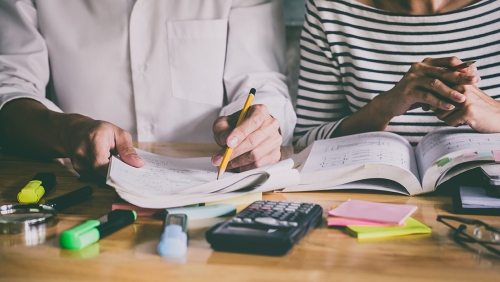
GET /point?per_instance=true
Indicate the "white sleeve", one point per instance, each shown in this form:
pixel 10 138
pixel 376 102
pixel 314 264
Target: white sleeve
pixel 24 65
pixel 256 59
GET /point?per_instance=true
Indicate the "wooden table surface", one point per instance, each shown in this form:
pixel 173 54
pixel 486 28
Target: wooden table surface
pixel 325 254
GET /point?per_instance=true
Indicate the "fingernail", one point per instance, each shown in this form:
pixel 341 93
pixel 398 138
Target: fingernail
pixel 216 160
pixel 223 137
pixel 232 142
pixel 449 106
pixel 459 96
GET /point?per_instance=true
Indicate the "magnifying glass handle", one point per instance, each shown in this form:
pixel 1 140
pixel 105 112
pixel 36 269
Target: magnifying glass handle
pixel 71 198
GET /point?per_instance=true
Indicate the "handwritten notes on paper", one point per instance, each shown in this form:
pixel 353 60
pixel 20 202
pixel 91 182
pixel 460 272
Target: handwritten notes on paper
pixel 169 182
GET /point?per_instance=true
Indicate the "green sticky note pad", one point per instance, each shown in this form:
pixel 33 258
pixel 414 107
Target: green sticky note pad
pixel 411 226
pixel 443 162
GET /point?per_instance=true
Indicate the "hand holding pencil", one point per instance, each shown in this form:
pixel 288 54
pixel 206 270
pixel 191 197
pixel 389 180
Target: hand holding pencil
pixel 250 138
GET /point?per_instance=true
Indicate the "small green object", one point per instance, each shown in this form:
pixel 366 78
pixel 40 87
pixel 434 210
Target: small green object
pixel 81 236
pixel 443 162
pixel 135 215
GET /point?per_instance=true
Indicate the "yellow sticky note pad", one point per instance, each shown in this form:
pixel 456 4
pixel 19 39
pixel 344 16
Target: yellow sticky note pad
pixel 411 226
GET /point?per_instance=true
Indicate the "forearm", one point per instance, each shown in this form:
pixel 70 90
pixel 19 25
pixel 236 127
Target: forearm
pixel 29 127
pixel 372 117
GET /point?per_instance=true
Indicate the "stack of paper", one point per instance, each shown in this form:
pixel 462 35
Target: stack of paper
pixel 479 198
pixel 171 182
pixel 492 173
pixel 375 220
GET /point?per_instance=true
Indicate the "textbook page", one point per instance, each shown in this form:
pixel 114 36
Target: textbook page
pixel 169 182
pixel 361 149
pixel 442 142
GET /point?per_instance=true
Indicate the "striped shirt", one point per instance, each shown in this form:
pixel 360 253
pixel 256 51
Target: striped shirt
pixel 351 52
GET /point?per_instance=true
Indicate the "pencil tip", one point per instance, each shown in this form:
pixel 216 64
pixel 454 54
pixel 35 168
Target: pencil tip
pixel 219 174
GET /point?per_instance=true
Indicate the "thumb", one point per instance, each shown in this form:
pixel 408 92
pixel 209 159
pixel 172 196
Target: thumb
pixel 126 150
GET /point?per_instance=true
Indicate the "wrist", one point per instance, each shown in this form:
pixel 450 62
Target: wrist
pixel 64 129
pixel 380 110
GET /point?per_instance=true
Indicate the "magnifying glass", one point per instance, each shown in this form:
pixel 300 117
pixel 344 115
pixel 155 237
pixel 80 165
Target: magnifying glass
pixel 35 218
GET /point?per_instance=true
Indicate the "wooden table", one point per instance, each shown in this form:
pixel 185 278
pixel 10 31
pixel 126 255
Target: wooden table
pixel 325 254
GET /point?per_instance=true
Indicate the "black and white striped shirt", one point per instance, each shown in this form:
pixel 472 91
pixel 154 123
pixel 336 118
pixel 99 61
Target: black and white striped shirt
pixel 351 52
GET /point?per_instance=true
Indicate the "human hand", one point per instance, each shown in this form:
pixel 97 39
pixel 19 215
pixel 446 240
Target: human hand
pixel 89 144
pixel 426 85
pixel 479 111
pixel 256 141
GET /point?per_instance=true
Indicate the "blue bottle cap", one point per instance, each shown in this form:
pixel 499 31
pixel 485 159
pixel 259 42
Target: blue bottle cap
pixel 173 242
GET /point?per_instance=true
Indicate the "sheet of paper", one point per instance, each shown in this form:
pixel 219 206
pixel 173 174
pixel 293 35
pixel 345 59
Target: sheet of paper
pixel 361 149
pixel 168 182
pixel 163 175
pixel 371 211
pixel 491 171
pixel 439 143
pixel 479 197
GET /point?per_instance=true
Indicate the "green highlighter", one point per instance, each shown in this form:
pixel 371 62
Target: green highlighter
pixel 92 230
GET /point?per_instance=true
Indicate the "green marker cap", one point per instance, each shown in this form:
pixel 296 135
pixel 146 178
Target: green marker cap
pixel 80 236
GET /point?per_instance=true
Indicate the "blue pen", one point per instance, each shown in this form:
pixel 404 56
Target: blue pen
pixel 173 241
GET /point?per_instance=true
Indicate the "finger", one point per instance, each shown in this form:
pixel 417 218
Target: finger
pixel 438 87
pixel 217 158
pixel 126 149
pixel 255 118
pixel 99 151
pixel 265 148
pixel 440 114
pixel 430 99
pixel 450 76
pixel 222 127
pixel 426 108
pixel 443 62
pixel 269 130
pixel 267 160
pixel 456 118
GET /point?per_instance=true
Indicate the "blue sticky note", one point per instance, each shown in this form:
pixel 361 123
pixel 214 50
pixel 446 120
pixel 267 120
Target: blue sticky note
pixel 484 154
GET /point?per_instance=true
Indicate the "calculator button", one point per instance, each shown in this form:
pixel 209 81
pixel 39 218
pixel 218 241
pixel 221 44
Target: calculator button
pixel 236 219
pixel 266 220
pixel 253 208
pixel 292 223
pixel 278 208
pixel 290 209
pixel 248 220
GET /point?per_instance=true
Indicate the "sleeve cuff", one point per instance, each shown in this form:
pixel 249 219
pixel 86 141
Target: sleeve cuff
pixel 5 98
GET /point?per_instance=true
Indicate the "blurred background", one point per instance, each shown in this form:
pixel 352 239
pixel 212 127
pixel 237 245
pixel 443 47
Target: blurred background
pixel 294 17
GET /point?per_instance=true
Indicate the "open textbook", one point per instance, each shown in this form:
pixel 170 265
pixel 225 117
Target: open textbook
pixel 364 160
pixel 171 182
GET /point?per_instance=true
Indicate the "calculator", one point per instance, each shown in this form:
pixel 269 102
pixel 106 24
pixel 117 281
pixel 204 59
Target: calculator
pixel 265 227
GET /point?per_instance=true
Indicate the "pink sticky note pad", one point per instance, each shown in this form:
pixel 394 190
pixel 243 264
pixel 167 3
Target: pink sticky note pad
pixel 341 221
pixel 140 211
pixel 470 155
pixel 496 155
pixel 370 211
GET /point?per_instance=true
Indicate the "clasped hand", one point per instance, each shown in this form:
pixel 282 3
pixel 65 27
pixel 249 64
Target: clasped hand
pixel 427 85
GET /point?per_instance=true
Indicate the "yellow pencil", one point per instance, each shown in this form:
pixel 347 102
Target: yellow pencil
pixel 229 151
